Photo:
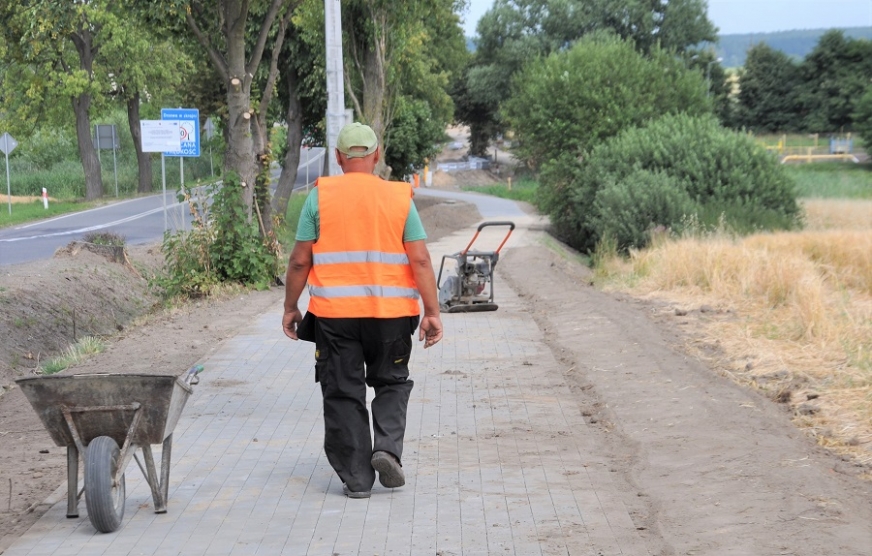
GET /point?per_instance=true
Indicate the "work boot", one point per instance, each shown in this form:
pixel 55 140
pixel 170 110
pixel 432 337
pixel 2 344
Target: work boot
pixel 390 473
pixel 355 494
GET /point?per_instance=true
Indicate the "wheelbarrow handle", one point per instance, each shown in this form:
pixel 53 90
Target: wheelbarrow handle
pixel 191 375
pixel 483 225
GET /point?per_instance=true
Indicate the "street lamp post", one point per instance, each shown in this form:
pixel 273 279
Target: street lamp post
pixel 708 76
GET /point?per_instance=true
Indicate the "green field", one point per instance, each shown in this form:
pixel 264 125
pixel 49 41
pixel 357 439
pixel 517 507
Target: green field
pixel 844 180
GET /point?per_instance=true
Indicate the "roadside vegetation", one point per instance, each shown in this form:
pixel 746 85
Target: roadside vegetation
pixel 789 313
pixel 76 353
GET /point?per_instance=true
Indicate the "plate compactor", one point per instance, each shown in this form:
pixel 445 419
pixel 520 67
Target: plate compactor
pixel 471 288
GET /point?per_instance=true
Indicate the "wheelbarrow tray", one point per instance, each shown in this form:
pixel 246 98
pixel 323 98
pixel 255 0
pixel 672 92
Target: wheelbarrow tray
pixel 106 418
pixel 162 398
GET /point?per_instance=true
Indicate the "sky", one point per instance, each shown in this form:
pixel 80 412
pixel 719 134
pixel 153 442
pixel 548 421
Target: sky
pixel 754 16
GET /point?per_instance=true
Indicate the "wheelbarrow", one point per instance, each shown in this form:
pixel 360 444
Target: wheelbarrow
pixel 471 288
pixel 106 418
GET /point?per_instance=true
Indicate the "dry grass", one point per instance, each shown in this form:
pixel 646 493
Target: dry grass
pixel 793 313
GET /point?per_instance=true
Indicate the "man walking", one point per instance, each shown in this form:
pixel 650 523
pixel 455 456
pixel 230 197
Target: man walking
pixel 360 246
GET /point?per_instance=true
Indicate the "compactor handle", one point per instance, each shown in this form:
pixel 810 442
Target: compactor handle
pixel 483 225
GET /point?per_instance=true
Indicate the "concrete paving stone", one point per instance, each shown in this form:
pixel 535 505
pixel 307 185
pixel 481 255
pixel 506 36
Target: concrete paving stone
pixel 495 458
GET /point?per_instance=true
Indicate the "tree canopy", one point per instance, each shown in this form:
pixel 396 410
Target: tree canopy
pixel 571 100
pixel 515 32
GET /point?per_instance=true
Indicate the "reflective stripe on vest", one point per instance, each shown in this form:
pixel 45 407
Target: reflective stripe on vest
pixel 363 291
pixel 360 257
pixel 359 264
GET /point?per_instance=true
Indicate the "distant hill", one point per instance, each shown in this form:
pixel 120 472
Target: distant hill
pixel 732 48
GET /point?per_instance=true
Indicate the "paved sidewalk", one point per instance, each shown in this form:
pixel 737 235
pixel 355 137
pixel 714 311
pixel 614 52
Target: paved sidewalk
pixel 498 458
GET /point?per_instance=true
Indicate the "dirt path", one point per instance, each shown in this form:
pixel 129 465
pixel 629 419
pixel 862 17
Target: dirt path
pixel 708 467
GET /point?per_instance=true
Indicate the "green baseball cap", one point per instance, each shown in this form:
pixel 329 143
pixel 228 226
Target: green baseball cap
pixel 359 136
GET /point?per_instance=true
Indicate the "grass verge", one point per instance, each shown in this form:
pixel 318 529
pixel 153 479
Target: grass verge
pixel 76 353
pixel 35 210
pixel 522 190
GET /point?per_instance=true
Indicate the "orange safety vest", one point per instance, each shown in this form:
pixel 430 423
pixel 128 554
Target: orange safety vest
pixel 359 264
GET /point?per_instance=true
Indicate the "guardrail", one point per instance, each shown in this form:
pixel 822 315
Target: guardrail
pixel 474 163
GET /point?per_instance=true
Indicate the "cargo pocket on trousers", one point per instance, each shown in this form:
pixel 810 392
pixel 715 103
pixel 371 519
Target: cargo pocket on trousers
pixel 320 362
pixel 400 352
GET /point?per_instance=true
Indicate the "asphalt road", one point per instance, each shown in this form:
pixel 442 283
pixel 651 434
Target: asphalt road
pixel 139 221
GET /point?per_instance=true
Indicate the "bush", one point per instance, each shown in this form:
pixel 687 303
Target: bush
pixel 573 99
pixel 224 246
pixel 628 211
pixel 726 178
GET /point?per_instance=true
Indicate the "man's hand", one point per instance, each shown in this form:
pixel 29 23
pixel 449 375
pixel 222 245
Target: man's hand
pixel 430 330
pixel 290 321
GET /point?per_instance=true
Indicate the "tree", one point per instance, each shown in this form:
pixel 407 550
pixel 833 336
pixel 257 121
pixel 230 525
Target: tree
pixel 59 44
pixel 302 92
pixel 570 101
pixel 143 68
pixel 767 100
pixel 394 49
pixel 415 136
pixel 515 32
pixel 671 25
pixel 234 34
pixel 834 75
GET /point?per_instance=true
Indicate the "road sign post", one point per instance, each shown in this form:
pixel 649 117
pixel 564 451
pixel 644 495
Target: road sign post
pixel 7 145
pixel 106 137
pixel 209 128
pixel 189 130
pixel 161 136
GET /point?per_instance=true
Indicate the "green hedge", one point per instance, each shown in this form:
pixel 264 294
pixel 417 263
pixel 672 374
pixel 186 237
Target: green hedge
pixel 676 169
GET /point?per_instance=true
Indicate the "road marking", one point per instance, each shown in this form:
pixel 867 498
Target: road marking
pixel 92 228
pixel 62 216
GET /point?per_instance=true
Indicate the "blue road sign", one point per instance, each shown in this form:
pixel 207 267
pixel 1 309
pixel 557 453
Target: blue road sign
pixel 189 128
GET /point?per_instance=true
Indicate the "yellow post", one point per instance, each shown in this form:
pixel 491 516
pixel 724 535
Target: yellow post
pixel 510 183
pixel 809 155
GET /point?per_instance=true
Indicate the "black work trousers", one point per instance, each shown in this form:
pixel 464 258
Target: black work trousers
pixel 351 354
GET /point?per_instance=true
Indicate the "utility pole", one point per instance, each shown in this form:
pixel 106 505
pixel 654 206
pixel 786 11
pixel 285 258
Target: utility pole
pixel 335 86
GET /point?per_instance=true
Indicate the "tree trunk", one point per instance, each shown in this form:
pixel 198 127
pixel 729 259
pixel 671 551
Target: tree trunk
pixel 294 117
pixel 90 162
pixel 84 42
pixel 240 155
pixel 143 160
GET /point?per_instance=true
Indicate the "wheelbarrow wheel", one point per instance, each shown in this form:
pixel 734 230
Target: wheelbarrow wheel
pixel 104 499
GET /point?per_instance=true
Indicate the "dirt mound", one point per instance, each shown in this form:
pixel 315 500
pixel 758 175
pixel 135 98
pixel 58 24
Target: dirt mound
pixel 48 305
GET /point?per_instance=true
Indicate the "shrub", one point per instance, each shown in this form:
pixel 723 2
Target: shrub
pixel 224 245
pixel 574 99
pixel 628 211
pixel 726 176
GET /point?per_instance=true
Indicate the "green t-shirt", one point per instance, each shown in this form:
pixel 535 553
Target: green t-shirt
pixel 309 226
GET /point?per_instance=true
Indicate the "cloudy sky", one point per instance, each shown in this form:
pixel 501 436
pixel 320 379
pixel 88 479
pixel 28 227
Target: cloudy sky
pixel 755 16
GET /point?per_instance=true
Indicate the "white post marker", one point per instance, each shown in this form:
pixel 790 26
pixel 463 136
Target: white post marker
pixel 45 198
